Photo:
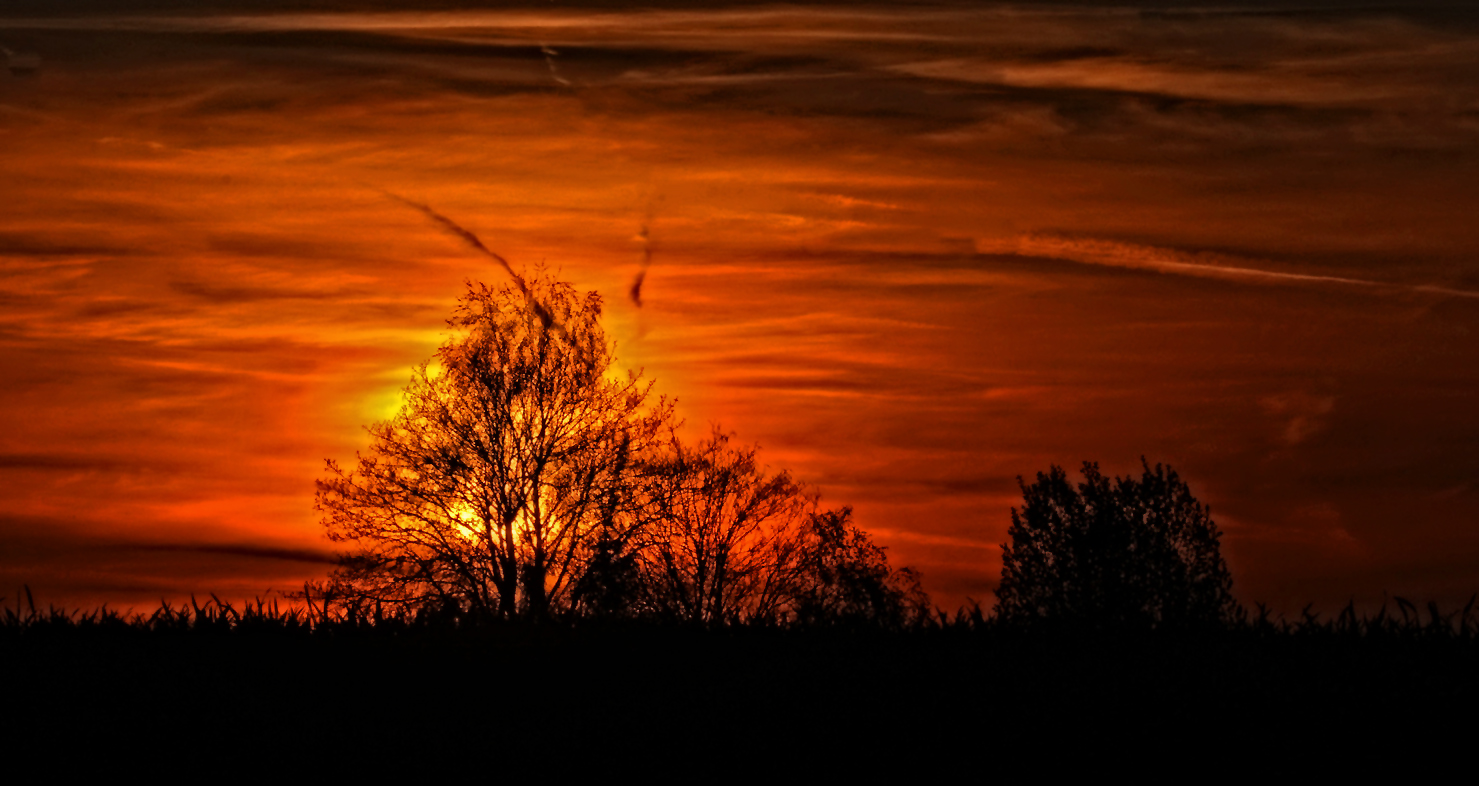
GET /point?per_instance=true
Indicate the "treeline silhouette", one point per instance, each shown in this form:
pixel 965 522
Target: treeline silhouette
pixel 537 569
pixel 1398 620
pixel 1083 665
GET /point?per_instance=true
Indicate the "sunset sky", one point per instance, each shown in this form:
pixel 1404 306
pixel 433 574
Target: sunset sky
pixel 912 251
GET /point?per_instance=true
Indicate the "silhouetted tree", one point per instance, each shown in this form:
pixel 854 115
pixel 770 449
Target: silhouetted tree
pixel 723 542
pixel 846 579
pixel 726 542
pixel 611 587
pixel 1122 553
pixel 506 474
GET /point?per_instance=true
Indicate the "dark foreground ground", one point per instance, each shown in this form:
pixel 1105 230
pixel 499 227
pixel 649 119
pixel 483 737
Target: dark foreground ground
pixel 544 699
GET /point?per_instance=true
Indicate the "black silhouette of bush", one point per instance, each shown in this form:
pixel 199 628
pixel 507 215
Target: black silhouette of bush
pixel 847 580
pixel 1115 554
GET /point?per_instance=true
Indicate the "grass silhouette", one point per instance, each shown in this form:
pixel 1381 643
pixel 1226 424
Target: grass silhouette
pixel 361 678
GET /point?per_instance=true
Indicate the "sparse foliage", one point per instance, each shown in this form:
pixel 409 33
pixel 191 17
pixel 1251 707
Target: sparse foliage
pixel 847 579
pixel 725 539
pixel 1114 553
pixel 727 542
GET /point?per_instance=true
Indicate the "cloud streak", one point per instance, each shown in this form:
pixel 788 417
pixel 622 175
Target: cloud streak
pixel 311 556
pixel 1131 256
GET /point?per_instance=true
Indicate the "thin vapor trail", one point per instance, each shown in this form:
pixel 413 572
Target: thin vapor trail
pixel 646 234
pixel 1110 253
pixel 545 317
pixel 636 291
pixel 549 60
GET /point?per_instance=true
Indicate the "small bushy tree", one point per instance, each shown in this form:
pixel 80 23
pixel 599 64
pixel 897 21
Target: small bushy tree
pixel 723 543
pixel 1121 553
pixel 728 542
pixel 846 579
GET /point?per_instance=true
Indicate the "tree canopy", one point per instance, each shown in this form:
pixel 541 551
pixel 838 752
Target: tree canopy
pixel 1114 553
pixel 524 476
pixel 508 463
pixel 725 542
pixel 730 542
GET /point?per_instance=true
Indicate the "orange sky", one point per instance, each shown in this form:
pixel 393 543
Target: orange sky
pixel 913 253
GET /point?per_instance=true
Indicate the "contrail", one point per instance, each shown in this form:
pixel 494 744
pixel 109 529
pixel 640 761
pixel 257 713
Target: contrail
pixel 636 292
pixel 545 317
pixel 1110 253
pixel 549 60
pixel 646 235
pixel 20 63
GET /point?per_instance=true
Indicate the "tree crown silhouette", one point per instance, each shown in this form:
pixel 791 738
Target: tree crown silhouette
pixel 508 465
pixel 1121 553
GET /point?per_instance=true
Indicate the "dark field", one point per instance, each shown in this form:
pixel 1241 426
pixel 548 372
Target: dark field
pixel 549 697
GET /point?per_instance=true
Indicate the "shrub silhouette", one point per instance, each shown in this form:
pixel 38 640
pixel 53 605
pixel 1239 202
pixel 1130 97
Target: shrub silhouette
pixel 847 579
pixel 1118 554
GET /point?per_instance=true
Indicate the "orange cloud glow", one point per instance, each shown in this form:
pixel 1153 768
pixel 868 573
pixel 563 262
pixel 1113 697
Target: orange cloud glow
pixel 912 254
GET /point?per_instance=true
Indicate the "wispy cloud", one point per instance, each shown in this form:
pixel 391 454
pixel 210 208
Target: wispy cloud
pixel 217 293
pixel 1131 256
pixel 312 556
